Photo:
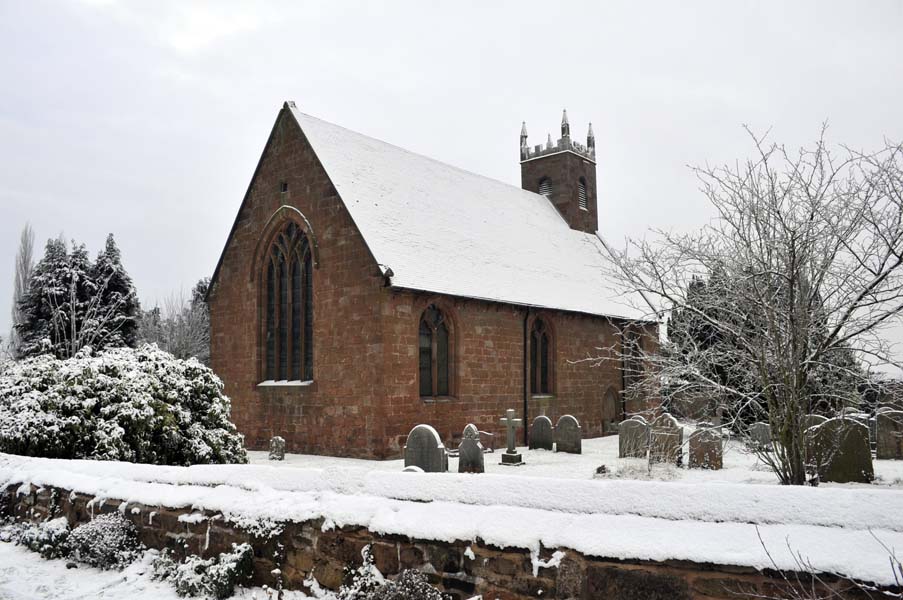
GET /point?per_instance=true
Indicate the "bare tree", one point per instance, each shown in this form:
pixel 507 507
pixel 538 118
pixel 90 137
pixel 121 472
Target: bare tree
pixel 181 327
pixel 805 265
pixel 23 268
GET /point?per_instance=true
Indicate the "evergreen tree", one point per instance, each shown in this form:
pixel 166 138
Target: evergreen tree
pixel 72 303
pixel 38 307
pixel 118 309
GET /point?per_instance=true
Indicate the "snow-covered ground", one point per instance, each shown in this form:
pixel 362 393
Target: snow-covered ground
pixel 554 501
pixel 24 575
pixel 740 465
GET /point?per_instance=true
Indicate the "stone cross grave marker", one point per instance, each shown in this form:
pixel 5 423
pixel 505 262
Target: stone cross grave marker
pixel 666 440
pixel 889 435
pixel 511 456
pixel 425 449
pixel 568 435
pixel 633 438
pixel 705 448
pixel 542 434
pixel 277 448
pixel 470 451
pixel 840 452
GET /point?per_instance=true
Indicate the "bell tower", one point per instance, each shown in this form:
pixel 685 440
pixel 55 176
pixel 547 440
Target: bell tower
pixel 565 173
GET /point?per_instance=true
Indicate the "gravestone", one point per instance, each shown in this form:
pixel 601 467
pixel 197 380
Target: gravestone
pixel 838 450
pixel 511 456
pixel 542 434
pixel 889 435
pixel 705 448
pixel 812 421
pixel 568 435
pixel 760 436
pixel 277 448
pixel 425 449
pixel 633 438
pixel 470 452
pixel 665 440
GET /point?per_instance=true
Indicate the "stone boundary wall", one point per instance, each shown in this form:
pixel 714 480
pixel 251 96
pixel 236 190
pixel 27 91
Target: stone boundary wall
pixel 462 569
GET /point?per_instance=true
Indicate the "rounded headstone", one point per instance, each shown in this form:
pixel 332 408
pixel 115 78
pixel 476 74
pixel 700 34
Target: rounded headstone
pixel 568 435
pixel 425 449
pixel 542 434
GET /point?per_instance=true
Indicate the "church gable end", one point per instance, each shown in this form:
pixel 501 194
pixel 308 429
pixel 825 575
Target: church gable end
pixel 291 294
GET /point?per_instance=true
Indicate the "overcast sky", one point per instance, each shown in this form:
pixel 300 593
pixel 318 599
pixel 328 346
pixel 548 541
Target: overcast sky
pixel 146 119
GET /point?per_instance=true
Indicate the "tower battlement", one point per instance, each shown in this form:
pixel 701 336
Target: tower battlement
pixel 564 144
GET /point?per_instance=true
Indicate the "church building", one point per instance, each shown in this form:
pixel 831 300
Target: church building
pixel 364 289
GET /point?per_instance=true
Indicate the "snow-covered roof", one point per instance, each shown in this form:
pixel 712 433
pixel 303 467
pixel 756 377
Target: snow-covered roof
pixel 445 230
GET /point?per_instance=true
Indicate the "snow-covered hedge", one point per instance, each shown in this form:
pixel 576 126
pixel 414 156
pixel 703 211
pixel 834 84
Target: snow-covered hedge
pixel 138 405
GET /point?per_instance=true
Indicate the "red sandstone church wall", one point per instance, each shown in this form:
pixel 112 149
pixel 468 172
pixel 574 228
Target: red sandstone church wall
pixel 489 349
pixel 334 415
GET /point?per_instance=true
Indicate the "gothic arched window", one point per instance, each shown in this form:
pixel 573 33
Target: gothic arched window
pixel 435 354
pixel 581 193
pixel 540 366
pixel 288 320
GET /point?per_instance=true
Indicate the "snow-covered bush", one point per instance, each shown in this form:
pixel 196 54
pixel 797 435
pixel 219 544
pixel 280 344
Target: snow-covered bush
pixel 137 405
pixel 210 578
pixel 410 585
pixel 362 582
pixel 109 541
pixel 48 538
pixel 367 583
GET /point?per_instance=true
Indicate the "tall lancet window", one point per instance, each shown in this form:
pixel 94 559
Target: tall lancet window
pixel 540 359
pixel 581 193
pixel 288 322
pixel 435 335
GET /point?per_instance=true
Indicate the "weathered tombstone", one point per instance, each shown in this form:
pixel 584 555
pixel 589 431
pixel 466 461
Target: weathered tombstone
pixel 470 452
pixel 568 435
pixel 542 434
pixel 425 449
pixel 838 450
pixel 633 438
pixel 665 440
pixel 277 448
pixel 812 421
pixel 760 436
pixel 705 448
pixel 511 456
pixel 889 435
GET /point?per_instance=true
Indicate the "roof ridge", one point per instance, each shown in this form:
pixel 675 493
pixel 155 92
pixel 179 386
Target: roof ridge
pixel 297 111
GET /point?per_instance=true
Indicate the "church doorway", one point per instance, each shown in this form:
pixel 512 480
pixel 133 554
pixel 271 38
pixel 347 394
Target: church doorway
pixel 611 413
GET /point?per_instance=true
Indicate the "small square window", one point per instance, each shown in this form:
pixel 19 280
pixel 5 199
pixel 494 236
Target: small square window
pixel 283 187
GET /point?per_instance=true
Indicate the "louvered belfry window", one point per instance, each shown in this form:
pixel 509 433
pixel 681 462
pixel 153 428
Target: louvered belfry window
pixel 435 353
pixel 540 367
pixel 581 194
pixel 545 187
pixel 288 322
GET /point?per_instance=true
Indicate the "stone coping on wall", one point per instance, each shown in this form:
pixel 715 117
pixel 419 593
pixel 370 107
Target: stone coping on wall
pixel 292 553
